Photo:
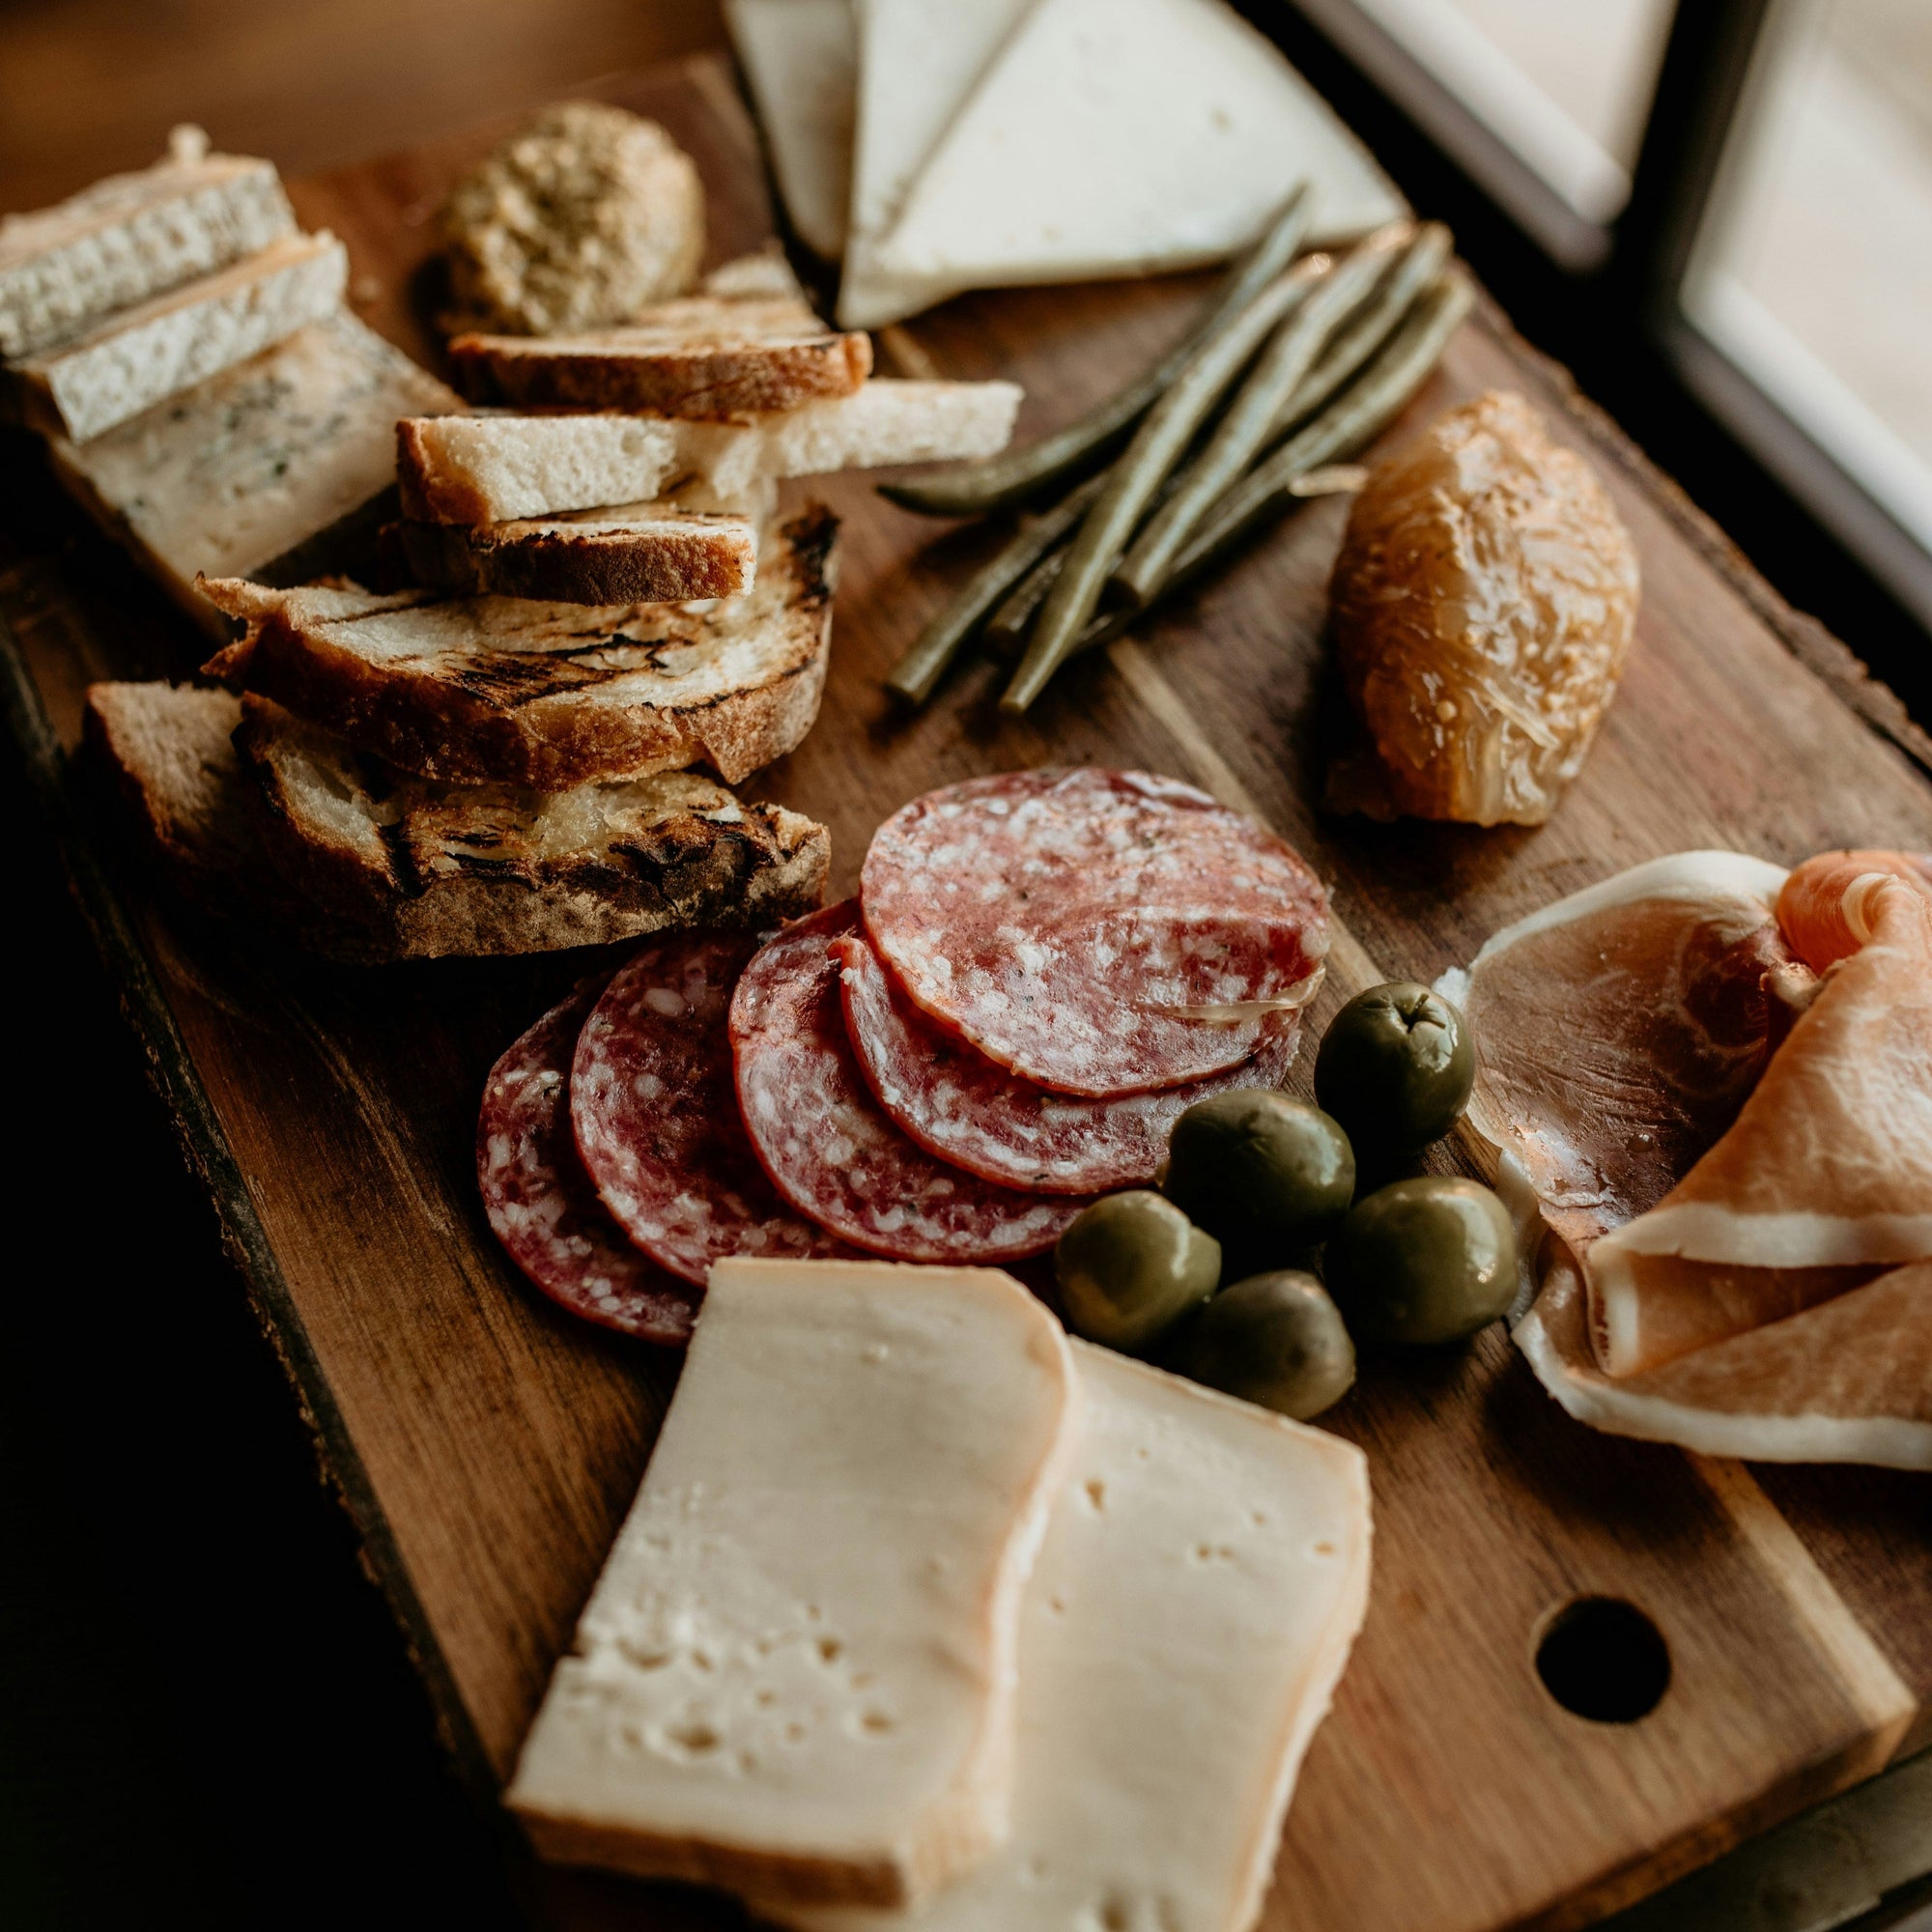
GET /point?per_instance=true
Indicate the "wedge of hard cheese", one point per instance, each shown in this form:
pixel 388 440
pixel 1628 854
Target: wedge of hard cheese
pixel 630 553
pixel 1205 1571
pixel 550 695
pixel 248 472
pixel 798 57
pixel 150 353
pixel 707 357
pixel 131 237
pixel 795 1676
pixel 1115 137
pixel 493 468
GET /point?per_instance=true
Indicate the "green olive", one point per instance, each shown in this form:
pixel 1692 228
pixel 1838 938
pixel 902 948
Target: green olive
pixel 1422 1261
pixel 1273 1339
pixel 1396 1066
pixel 1264 1174
pixel 1132 1265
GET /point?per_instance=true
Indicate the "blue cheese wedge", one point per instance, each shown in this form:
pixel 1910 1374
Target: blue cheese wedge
pixel 1205 1572
pixel 142 355
pixel 795 1676
pixel 133 237
pixel 256 462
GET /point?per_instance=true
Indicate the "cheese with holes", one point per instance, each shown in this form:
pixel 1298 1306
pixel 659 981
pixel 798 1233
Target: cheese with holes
pixel 257 461
pixel 1205 1571
pixel 795 1676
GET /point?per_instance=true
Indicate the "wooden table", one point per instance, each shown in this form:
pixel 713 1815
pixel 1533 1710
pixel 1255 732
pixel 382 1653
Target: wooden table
pixel 487 1445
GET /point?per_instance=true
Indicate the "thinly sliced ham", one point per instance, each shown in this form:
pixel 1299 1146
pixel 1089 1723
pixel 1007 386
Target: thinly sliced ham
pixel 1732 1155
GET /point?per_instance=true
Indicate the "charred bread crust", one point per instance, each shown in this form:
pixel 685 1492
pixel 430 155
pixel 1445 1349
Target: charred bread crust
pixel 548 720
pixel 707 557
pixel 710 382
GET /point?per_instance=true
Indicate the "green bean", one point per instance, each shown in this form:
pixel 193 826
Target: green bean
pixel 916 674
pixel 1009 623
pixel 1349 425
pixel 1245 426
pixel 1164 433
pixel 996 482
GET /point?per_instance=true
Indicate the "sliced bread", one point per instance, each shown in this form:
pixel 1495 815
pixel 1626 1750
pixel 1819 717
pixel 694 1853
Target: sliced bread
pixel 252 813
pixel 711 357
pixel 131 237
pixel 632 554
pixel 550 695
pixel 249 470
pixel 493 468
pixel 142 356
pixel 795 1676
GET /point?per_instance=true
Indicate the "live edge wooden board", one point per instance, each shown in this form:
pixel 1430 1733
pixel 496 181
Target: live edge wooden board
pixel 487 1445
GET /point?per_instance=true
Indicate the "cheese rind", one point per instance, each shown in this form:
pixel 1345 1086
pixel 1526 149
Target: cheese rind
pixel 795 1676
pixel 131 237
pixel 1205 1571
pixel 245 467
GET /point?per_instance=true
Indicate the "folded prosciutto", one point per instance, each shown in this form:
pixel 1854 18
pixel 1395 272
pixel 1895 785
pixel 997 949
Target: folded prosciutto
pixel 1715 1080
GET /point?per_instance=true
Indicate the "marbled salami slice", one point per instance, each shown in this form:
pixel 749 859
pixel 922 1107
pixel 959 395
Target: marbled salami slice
pixel 656 1120
pixel 969 1109
pixel 1067 921
pixel 541 1204
pixel 830 1150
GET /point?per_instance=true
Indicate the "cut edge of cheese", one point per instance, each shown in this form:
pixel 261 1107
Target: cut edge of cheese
pixel 1117 137
pixel 800 59
pixel 1172 1672
pixel 796 1675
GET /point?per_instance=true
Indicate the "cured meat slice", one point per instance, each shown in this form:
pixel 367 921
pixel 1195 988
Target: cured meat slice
pixel 1073 923
pixel 541 1204
pixel 1822 906
pixel 826 1145
pixel 970 1111
pixel 656 1118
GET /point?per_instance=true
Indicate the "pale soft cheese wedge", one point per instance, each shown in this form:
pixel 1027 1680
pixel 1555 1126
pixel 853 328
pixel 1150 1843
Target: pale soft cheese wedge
pixel 145 354
pixel 796 1674
pixel 1205 1571
pixel 131 237
pixel 1115 137
pixel 917 65
pixel 800 59
pixel 252 465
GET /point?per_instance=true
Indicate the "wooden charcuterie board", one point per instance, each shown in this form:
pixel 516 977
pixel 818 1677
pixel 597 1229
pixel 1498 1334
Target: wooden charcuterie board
pixel 487 1446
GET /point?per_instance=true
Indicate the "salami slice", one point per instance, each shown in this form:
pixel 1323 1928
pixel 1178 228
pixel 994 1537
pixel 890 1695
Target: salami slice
pixel 656 1120
pixel 541 1204
pixel 969 1109
pixel 830 1150
pixel 1071 925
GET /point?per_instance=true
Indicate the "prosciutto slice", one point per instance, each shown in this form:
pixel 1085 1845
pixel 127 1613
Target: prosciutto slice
pixel 1732 1151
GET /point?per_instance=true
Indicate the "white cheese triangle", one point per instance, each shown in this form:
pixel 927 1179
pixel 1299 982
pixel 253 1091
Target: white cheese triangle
pixel 916 66
pixel 1205 1571
pixel 1115 138
pixel 800 59
pixel 796 1673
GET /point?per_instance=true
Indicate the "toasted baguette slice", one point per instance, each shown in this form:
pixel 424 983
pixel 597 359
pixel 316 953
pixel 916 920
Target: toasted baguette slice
pixel 136 359
pixel 711 357
pixel 550 695
pixel 131 237
pixel 251 812
pixel 796 1675
pixel 485 469
pixel 633 554
pixel 254 472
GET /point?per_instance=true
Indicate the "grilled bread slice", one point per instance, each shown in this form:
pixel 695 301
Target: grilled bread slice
pixel 632 554
pixel 712 357
pixel 493 468
pixel 251 812
pixel 550 695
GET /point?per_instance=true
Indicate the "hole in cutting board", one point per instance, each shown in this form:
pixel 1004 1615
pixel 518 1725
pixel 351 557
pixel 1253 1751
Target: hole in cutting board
pixel 1604 1660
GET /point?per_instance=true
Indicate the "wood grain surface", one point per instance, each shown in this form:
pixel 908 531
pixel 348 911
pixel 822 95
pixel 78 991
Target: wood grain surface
pixel 488 1444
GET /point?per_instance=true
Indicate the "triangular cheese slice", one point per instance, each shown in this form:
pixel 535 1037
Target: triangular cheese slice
pixel 1115 137
pixel 801 60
